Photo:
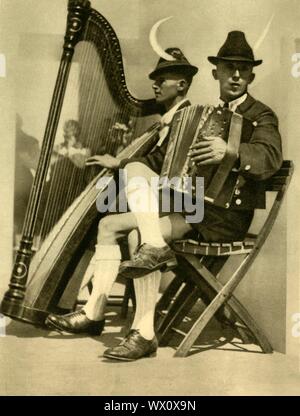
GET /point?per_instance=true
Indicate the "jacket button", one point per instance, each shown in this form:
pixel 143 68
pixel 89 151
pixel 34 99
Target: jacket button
pixel 227 205
pixel 237 192
pixel 247 167
pixel 238 201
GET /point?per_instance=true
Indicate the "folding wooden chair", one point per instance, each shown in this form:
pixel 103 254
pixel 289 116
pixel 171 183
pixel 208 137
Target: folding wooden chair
pixel 196 278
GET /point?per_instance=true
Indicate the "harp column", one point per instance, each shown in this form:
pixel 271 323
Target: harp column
pixel 13 298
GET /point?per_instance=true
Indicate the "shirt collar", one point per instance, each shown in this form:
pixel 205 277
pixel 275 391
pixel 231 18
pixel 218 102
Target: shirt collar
pixel 232 105
pixel 168 116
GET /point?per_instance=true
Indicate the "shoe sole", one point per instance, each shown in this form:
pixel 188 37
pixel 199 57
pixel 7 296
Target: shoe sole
pixel 135 272
pixel 113 357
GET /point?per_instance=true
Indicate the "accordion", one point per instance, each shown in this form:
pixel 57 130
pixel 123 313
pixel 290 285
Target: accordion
pixel 192 124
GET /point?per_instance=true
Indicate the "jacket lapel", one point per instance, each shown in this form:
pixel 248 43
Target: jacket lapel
pixel 242 108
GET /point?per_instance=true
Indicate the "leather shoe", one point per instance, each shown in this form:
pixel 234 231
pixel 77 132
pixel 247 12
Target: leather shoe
pixel 146 259
pixel 133 347
pixel 75 323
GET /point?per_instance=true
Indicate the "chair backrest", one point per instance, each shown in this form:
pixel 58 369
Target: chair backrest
pixel 277 183
pixel 281 179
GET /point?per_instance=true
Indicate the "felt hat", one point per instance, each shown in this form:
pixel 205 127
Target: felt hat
pixel 178 64
pixel 235 48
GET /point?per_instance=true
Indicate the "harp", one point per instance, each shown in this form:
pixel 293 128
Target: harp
pixel 61 213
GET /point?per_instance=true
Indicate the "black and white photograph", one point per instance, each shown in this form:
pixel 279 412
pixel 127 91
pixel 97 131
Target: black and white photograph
pixel 149 227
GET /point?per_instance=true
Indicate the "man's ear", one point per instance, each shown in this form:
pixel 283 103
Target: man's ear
pixel 214 73
pixel 181 84
pixel 251 78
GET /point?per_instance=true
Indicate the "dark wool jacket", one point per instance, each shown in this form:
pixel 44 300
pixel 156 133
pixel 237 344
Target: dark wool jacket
pixel 260 156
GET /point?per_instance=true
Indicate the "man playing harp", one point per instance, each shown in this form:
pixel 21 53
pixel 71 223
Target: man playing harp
pixel 257 160
pixel 172 78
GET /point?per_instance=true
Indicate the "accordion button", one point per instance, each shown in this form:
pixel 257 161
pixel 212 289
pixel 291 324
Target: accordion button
pixel 238 201
pixel 237 192
pixel 227 205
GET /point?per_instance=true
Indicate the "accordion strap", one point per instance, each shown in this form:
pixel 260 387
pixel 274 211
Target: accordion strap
pixel 229 159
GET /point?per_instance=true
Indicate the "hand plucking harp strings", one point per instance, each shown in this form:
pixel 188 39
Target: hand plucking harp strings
pixel 120 134
pixel 208 151
pixel 106 161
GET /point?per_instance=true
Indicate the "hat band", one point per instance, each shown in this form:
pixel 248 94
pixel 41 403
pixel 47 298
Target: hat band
pixel 236 58
pixel 182 67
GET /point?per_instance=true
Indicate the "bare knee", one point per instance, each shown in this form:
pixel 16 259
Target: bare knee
pixel 139 169
pixel 134 165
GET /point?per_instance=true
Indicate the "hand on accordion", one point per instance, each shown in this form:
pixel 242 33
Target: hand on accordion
pixel 209 151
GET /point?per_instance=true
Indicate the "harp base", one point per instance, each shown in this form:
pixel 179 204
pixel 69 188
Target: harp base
pixel 23 313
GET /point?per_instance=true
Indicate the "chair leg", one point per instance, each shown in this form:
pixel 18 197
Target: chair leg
pixel 225 314
pixel 245 335
pixel 167 297
pixel 220 299
pixel 239 310
pixel 178 317
pixel 175 310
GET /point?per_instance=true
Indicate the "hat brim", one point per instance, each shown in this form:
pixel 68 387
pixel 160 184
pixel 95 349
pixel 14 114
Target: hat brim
pixel 215 59
pixel 189 70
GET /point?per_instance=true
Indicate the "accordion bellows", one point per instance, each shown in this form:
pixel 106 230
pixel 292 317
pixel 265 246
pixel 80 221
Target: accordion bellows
pixel 192 124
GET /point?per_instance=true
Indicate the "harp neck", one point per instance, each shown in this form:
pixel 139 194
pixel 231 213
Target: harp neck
pixel 78 12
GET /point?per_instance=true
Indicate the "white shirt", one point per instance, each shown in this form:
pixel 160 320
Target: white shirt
pixel 166 120
pixel 232 105
pixel 168 116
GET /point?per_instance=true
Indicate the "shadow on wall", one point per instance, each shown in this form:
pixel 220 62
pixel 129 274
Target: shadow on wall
pixel 27 156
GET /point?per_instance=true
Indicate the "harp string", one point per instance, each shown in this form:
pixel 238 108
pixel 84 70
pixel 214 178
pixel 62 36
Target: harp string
pixel 51 209
pixel 97 115
pixel 56 200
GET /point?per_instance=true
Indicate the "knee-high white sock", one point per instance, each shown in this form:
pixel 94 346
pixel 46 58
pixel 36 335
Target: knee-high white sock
pixel 143 203
pixel 89 273
pixel 146 293
pixel 107 262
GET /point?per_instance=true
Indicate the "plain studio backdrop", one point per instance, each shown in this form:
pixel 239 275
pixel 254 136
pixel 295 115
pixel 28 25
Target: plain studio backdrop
pixel 31 37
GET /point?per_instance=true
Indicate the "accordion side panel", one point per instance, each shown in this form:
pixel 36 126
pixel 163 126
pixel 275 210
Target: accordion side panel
pixel 190 129
pixel 169 157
